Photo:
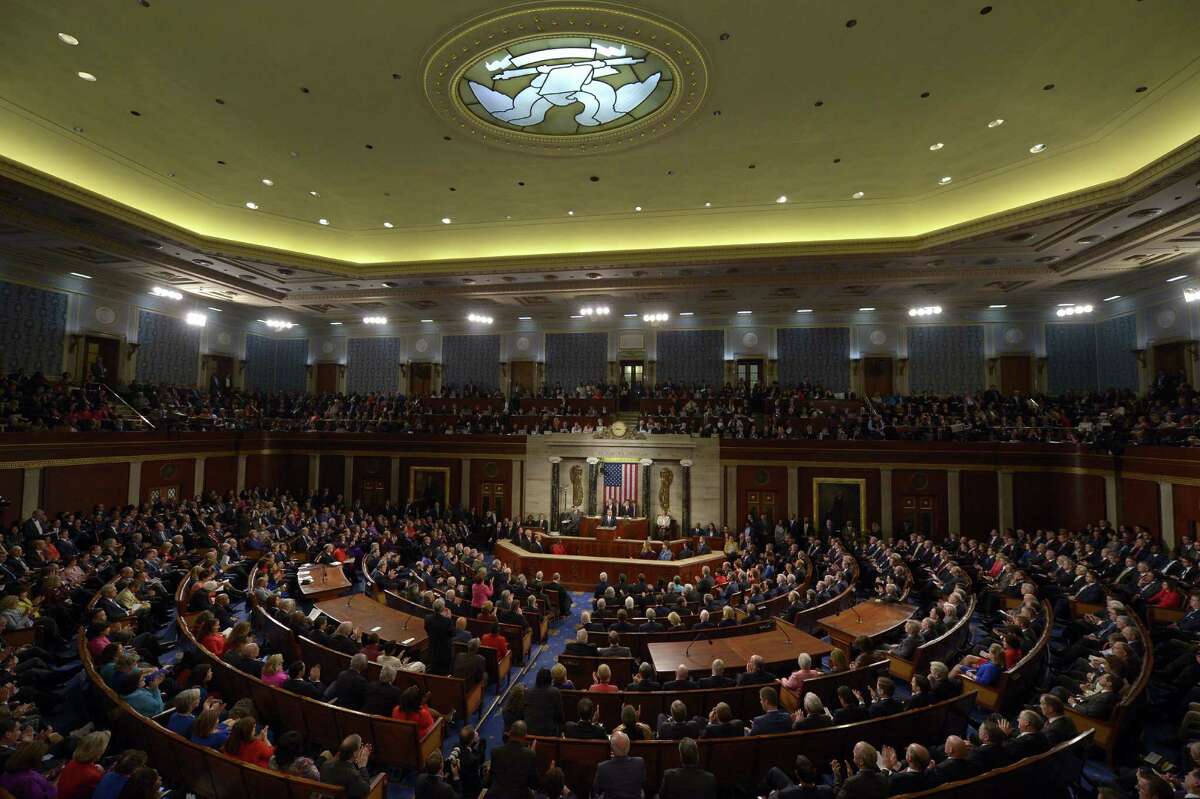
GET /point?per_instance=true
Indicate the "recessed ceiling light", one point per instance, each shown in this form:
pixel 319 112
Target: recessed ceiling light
pixel 1037 148
pixel 1113 297
pixel 995 123
pixel 82 275
pixel 252 206
pixel 218 310
pixel 196 319
pixel 1065 304
pixel 1177 277
pixel 314 194
pixel 866 309
pixel 322 221
pixel 944 180
pixel 570 213
pixel 67 38
pixel 936 146
pixel 745 313
pixel 687 313
pixel 388 225
pixel 268 182
pixel 426 321
pixel 576 316
pixel 445 220
pixel 997 307
pixel 708 205
pixel 637 207
pixel 524 318
pixel 630 316
pixel 804 310
pixel 89 77
pixel 781 198
pixel 858 195
pixel 335 324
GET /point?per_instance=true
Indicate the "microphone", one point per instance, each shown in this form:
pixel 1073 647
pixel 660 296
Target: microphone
pixel 854 610
pixel 782 627
pixel 688 649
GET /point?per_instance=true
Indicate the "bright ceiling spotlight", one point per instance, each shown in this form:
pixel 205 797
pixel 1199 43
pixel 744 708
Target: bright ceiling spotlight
pixel 1073 310
pixel 804 310
pixel 944 180
pixel 858 195
pixel 867 308
pixel 479 319
pixel 279 324
pixel 1177 277
pixel 322 221
pixel 687 313
pixel 997 307
pixel 446 220
pixel 268 182
pixel 81 274
pixel 936 146
pixel 252 206
pixel 1113 297
pixel 995 123
pixel 926 310
pixel 374 320
pixel 170 294
pixel 656 318
pixel 388 225
pixel 781 199
pixel 1191 295
pixel 594 310
pixel 1037 148
pixel 89 77
pixel 196 319
pixel 67 38
pixel 637 207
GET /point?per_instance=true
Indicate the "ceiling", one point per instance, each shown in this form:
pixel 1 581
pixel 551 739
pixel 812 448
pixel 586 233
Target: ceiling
pixel 797 102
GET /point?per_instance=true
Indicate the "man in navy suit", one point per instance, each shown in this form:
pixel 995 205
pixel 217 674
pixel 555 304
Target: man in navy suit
pixel 622 776
pixel 772 719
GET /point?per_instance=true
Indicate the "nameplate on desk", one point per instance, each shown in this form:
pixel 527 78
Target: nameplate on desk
pixel 314 613
pixel 407 641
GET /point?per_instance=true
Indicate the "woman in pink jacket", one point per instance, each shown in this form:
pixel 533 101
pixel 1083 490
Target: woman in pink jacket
pixel 481 592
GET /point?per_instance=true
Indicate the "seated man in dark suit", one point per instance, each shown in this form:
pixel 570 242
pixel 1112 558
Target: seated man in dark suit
pixel 1029 739
pixel 756 672
pixel 1058 728
pixel 958 764
pixel 580 645
pixel 689 781
pixel 644 679
pixel 868 782
pixel 651 626
pixel 682 682
pixel 245 658
pixel 910 776
pixel 622 776
pixel 850 709
pixel 470 665
pixel 614 648
pixel 677 725
pixel 350 687
pixel 718 678
pixel 772 719
pixel 586 727
pixel 722 724
pixel 990 753
pixel 514 772
pixel 907 648
pixel 885 703
pixel 1100 704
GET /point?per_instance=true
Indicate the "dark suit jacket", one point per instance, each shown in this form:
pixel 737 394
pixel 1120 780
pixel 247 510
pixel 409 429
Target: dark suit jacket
pixel 771 721
pixel 671 730
pixel 989 756
pixel 468 667
pixel 849 715
pixel 907 648
pixel 1020 747
pixel 1098 706
pixel 348 775
pixel 579 648
pixel 870 783
pixel 687 782
pixel 379 698
pixel 430 787
pixel 717 682
pixel 349 689
pixel 620 778
pixel 953 769
pixel 589 730
pixel 909 782
pixel 1059 730
pixel 513 773
pixel 543 711
pixel 761 677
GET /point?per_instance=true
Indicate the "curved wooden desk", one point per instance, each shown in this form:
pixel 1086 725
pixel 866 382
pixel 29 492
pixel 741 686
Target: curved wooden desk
pixel 582 572
pixel 778 647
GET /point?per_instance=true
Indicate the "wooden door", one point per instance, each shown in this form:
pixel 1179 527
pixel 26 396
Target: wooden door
pixel 1016 375
pixel 524 376
pixel 877 377
pixel 919 513
pixel 762 505
pixel 1170 358
pixel 633 378
pixel 103 351
pixel 373 492
pixel 493 497
pixel 327 378
pixel 420 379
pixel 750 371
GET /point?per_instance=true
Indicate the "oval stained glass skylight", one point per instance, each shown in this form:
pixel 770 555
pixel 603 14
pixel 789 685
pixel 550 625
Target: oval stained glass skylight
pixel 567 85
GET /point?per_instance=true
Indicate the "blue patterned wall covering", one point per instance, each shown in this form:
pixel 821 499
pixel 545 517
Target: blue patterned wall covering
pixel 276 364
pixel 1116 339
pixel 373 364
pixel 575 358
pixel 33 328
pixel 691 356
pixel 471 359
pixel 945 359
pixel 1071 358
pixel 818 355
pixel 168 350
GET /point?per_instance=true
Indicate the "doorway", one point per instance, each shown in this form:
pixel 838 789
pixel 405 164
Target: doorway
pixel 761 504
pixel 373 493
pixel 524 375
pixel 100 359
pixel 1016 375
pixel 420 380
pixel 633 383
pixel 750 371
pixel 919 514
pixel 327 378
pixel 1170 359
pixel 877 377
pixel 491 498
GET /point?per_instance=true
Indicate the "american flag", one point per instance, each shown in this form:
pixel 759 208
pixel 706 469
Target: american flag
pixel 620 482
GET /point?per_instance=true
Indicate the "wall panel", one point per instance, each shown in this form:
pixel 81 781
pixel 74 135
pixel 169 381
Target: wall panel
pixel 979 503
pixel 918 485
pixel 333 474
pixel 756 479
pixel 12 486
pixel 576 358
pixel 178 472
pixel 72 488
pixel 220 474
pixel 168 350
pixel 1186 505
pixel 691 357
pixel 33 328
pixel 945 359
pixel 819 355
pixel 1044 499
pixel 493 473
pixel 471 360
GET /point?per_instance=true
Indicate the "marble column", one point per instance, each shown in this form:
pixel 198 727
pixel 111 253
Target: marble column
pixel 464 491
pixel 685 522
pixel 348 478
pixel 953 502
pixel 731 498
pixel 645 507
pixel 198 476
pixel 793 497
pixel 394 481
pixel 554 467
pixel 1005 483
pixel 1166 509
pixel 31 492
pixel 135 483
pixel 314 473
pixel 1110 498
pixel 517 492
pixel 885 505
pixel 241 473
pixel 592 475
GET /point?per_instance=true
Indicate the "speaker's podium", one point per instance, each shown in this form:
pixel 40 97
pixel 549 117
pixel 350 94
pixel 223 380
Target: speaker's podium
pixel 627 527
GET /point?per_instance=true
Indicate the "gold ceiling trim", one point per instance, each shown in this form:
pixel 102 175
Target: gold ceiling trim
pixel 1129 189
pixel 446 63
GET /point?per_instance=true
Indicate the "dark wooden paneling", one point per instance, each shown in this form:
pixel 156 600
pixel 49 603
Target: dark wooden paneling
pixel 179 472
pixel 978 503
pixel 918 484
pixel 372 478
pixel 278 471
pixel 71 488
pixel 807 474
pixel 1186 500
pixel 12 487
pixel 1047 499
pixel 486 470
pixel 751 479
pixel 1140 505
pixel 1016 374
pixel 453 464
pixel 220 474
pixel 333 473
